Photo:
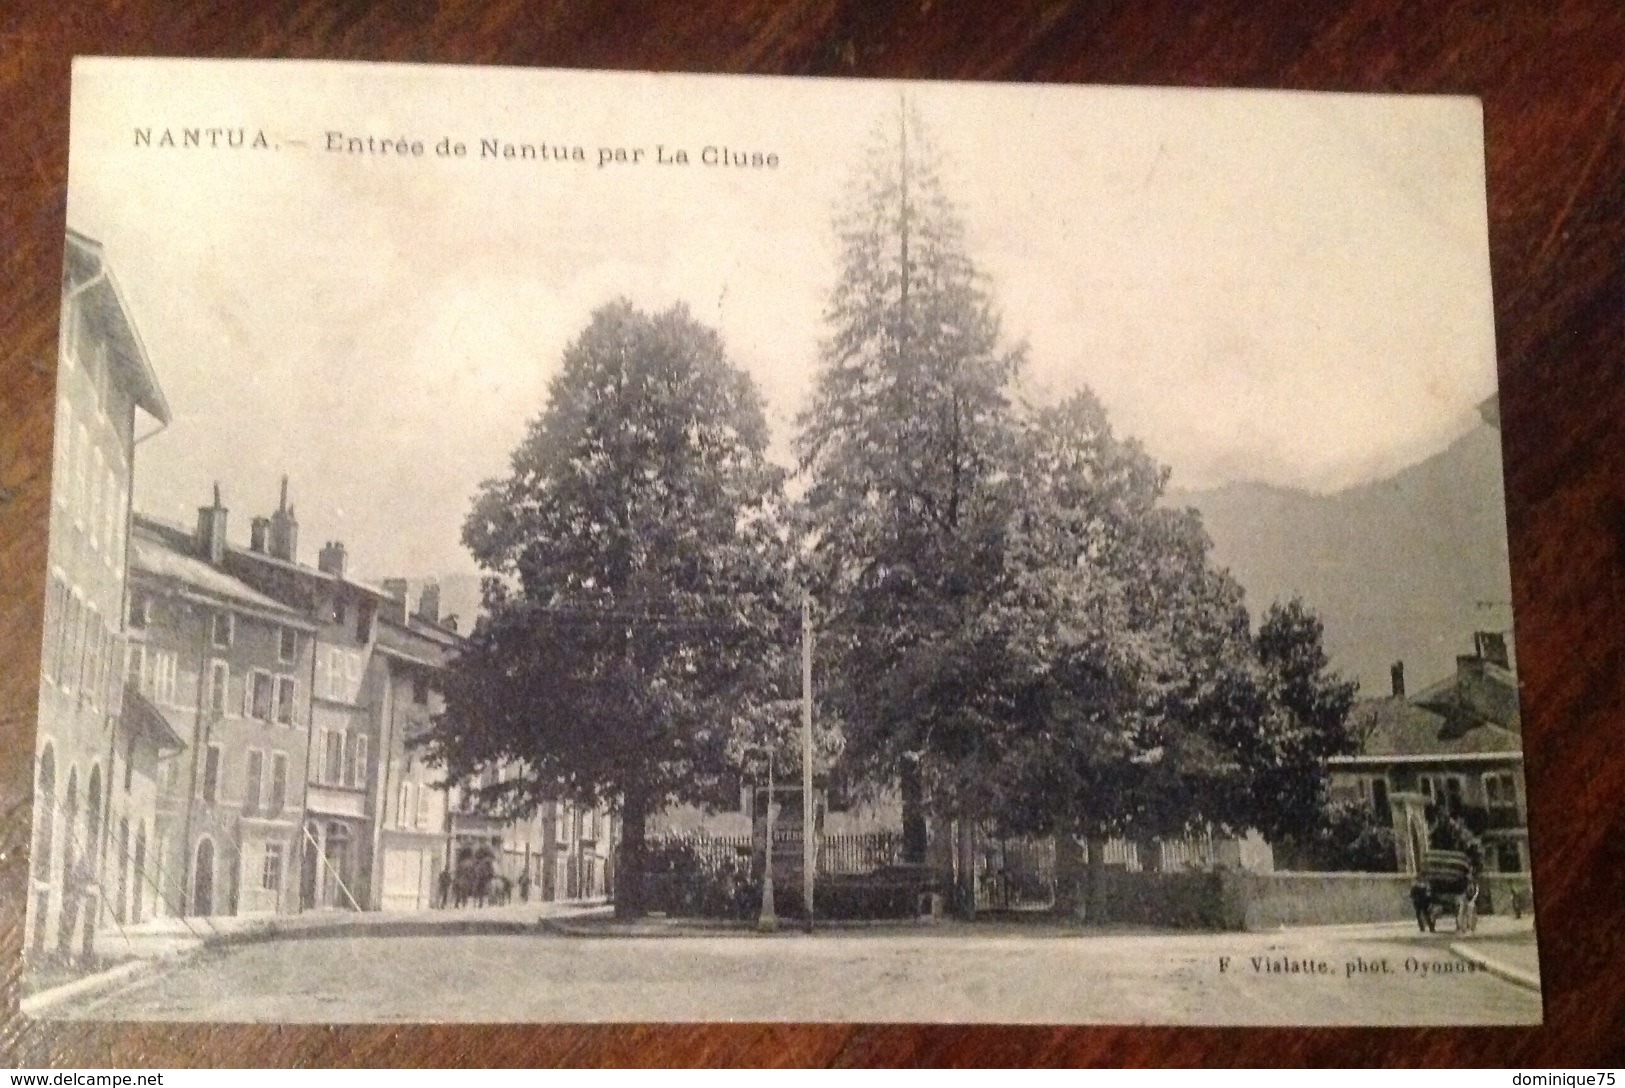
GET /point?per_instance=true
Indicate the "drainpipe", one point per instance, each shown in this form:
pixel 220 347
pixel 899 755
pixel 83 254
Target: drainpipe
pixel 304 785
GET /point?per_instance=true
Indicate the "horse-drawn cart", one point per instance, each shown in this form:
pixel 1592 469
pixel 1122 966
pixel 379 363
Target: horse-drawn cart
pixel 1448 883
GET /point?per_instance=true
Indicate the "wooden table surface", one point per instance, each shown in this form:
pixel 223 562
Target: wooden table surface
pixel 1552 79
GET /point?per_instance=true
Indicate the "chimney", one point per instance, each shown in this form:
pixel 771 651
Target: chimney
pixel 395 611
pixel 211 530
pixel 429 603
pixel 450 622
pixel 330 560
pixel 258 529
pixel 1396 673
pixel 283 537
pixel 1492 647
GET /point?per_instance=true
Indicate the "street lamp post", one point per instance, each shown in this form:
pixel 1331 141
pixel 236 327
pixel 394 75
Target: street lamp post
pixel 809 828
pixel 768 921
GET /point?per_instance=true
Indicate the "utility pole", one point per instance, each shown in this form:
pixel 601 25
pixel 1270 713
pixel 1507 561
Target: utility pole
pixel 809 829
pixel 768 921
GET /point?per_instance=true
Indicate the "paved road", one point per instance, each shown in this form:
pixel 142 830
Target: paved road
pixel 1008 976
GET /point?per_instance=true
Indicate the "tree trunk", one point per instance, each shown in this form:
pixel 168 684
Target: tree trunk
pixel 913 797
pixel 1096 908
pixel 629 882
pixel 965 868
pixel 1069 872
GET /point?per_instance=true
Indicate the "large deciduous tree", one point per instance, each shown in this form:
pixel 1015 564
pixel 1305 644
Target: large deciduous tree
pixel 905 446
pixel 637 584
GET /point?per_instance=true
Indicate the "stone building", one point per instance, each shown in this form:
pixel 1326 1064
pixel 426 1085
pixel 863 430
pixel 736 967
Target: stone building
pixel 1454 749
pixel 229 669
pixel 95 765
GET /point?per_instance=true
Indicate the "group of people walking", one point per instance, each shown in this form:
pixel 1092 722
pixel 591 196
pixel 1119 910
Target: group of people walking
pixel 475 879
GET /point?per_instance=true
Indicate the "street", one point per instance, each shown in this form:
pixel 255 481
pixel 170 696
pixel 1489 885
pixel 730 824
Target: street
pixel 1015 974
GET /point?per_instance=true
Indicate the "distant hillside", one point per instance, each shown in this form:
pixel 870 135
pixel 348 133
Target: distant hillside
pixel 1400 570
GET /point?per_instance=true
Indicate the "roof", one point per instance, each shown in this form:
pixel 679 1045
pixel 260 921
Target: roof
pixel 178 537
pixel 155 557
pixel 417 642
pixel 86 272
pixel 307 571
pixel 1394 727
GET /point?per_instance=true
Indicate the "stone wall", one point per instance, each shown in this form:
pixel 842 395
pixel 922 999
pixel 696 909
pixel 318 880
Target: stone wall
pixel 1230 899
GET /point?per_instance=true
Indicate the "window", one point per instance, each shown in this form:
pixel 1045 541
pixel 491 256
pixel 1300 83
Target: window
pixel 279 784
pixel 1508 857
pixel 271 868
pixel 334 688
pixel 109 514
pixel 120 498
pixel 1500 791
pixel 287 646
pixel 425 807
pixel 363 622
pixel 140 610
pixel 338 610
pixel 420 688
pixel 165 668
pixel 81 462
pixel 406 808
pixel 219 676
pixel 211 773
pixel 220 633
pixel 358 764
pixel 287 690
pixel 1379 798
pixel 262 704
pixel 135 665
pixel 93 657
pixel 251 780
pixel 93 500
pixel 333 763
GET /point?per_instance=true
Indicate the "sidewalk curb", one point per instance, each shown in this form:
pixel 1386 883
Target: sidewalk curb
pixel 687 929
pixel 1495 967
pixel 35 1005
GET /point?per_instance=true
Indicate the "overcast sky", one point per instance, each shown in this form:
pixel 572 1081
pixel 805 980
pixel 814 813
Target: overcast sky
pixel 1288 288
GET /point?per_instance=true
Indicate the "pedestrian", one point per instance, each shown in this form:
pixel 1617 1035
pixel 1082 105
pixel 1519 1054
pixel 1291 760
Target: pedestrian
pixel 1422 903
pixel 1467 911
pixel 443 889
pixel 524 886
pixel 484 873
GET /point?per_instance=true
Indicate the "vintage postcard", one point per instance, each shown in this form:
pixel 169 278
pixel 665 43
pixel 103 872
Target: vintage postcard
pixel 568 546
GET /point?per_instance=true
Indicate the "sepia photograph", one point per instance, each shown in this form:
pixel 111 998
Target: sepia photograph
pixel 565 546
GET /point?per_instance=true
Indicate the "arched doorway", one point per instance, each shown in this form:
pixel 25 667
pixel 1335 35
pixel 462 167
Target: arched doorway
pixel 123 862
pixel 70 865
pixel 203 878
pixel 44 842
pixel 138 868
pixel 93 819
pixel 336 865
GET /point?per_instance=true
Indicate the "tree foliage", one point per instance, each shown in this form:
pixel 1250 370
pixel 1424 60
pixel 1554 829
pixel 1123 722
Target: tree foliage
pixel 1021 630
pixel 636 582
pixel 905 446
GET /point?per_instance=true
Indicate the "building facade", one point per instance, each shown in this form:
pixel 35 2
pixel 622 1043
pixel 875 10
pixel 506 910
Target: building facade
pixel 94 765
pixel 229 669
pixel 1455 749
pixel 300 691
pixel 413 848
